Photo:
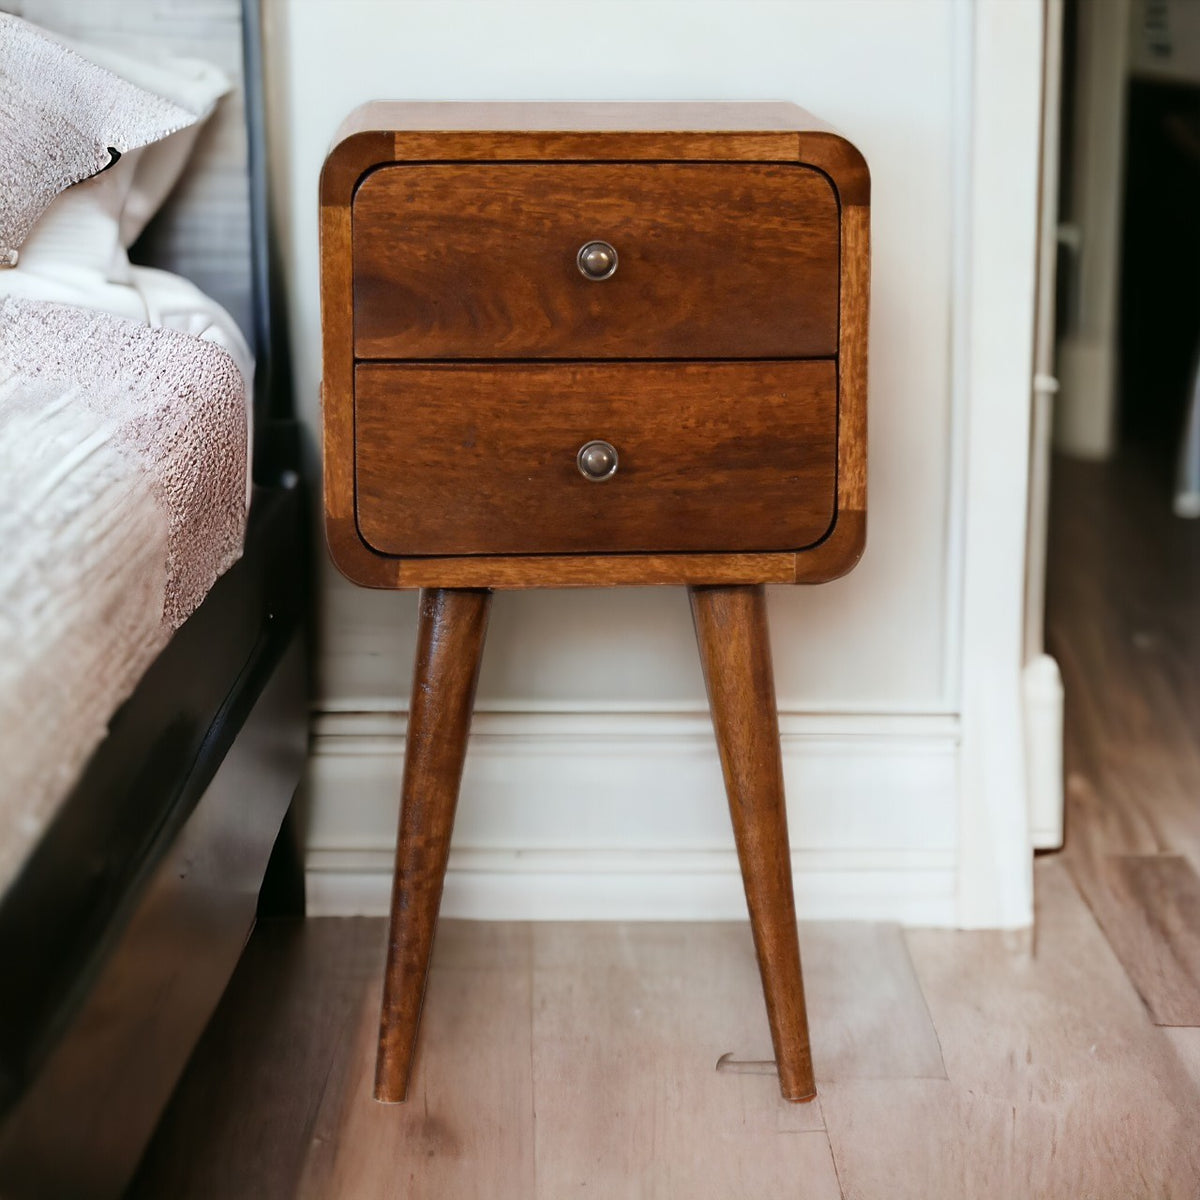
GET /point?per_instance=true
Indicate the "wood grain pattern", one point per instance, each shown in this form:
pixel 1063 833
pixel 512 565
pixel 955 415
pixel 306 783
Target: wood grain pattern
pixel 454 476
pixel 473 459
pixel 1185 1041
pixel 344 168
pixel 629 1022
pixel 561 1053
pixel 842 548
pixel 1123 591
pixel 584 116
pixel 745 131
pixel 1059 1086
pixel 869 1018
pixel 731 629
pixel 735 260
pixel 468 1130
pixel 450 637
pixel 855 303
pixel 365 567
pixel 1122 596
pixel 837 553
pixel 337 384
pixel 565 131
pixel 387 133
pixel 1149 909
pixel 580 146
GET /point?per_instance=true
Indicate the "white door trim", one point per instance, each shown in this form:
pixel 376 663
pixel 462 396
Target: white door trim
pixel 995 884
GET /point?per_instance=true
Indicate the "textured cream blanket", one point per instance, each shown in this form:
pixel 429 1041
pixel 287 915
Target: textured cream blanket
pixel 123 464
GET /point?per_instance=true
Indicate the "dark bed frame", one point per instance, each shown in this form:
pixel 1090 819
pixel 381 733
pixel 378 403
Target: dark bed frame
pixel 124 926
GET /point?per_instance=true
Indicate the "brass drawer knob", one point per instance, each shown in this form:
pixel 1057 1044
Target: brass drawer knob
pixel 597 460
pixel 597 260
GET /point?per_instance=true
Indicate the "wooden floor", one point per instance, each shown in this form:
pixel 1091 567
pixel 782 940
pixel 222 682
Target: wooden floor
pixel 633 1060
pixel 1124 624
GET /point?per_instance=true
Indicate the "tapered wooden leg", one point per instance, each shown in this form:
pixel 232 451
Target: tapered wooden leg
pixel 731 629
pixel 449 649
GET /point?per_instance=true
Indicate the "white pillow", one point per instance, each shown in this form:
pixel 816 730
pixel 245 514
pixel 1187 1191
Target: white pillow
pixel 152 171
pixel 63 118
pixel 77 253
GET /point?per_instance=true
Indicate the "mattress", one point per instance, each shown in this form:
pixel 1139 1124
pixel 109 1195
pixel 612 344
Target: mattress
pixel 124 461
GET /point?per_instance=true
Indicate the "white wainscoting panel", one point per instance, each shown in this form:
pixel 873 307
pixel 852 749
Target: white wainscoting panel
pixel 621 815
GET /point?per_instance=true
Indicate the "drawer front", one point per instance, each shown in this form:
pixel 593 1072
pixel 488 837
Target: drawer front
pixel 713 260
pixel 484 459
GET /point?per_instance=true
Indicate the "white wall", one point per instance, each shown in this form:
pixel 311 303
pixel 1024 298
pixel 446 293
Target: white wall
pixel 592 748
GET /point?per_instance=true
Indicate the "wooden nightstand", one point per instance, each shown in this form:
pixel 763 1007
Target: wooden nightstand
pixel 594 345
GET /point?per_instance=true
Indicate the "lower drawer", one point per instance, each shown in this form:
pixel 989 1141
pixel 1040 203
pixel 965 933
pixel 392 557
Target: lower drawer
pixel 482 459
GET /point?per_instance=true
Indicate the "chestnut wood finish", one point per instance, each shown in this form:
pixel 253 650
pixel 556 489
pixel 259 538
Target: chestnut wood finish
pixel 478 459
pixel 467 361
pixel 450 636
pixel 741 131
pixel 732 136
pixel 724 260
pixel 731 630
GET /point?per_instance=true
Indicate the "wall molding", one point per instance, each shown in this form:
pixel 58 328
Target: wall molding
pixel 994 365
pixel 579 815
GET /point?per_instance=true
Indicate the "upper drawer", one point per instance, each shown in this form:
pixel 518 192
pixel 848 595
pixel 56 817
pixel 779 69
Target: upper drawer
pixel 714 260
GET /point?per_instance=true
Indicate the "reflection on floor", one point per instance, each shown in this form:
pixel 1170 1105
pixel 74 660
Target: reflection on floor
pixel 626 1060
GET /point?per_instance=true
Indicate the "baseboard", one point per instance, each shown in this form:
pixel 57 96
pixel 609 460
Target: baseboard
pixel 621 815
pixel 641 885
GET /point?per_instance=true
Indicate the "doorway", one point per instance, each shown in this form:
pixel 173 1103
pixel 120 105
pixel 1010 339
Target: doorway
pixel 1123 563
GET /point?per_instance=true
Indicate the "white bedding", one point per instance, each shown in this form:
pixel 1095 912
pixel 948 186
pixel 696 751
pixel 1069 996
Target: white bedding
pixel 123 468
pixel 75 256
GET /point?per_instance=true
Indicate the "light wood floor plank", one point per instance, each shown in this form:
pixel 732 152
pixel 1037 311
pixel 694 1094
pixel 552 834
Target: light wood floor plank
pixel 1059 1084
pixel 1185 1042
pixel 1149 909
pixel 467 1129
pixel 1123 591
pixel 629 1022
pixel 1124 588
pixel 627 1026
pixel 869 1017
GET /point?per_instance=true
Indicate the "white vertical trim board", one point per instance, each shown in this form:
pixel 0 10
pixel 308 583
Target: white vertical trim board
pixel 962 32
pixel 995 869
pixel 586 815
pixel 1043 691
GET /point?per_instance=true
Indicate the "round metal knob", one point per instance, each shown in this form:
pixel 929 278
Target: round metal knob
pixel 597 460
pixel 597 260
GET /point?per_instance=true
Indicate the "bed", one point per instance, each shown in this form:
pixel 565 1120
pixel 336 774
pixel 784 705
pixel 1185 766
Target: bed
pixel 153 590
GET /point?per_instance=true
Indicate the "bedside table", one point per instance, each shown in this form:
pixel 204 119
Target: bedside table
pixel 593 345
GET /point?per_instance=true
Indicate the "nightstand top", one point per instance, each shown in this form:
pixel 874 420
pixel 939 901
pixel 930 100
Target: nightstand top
pixel 708 116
